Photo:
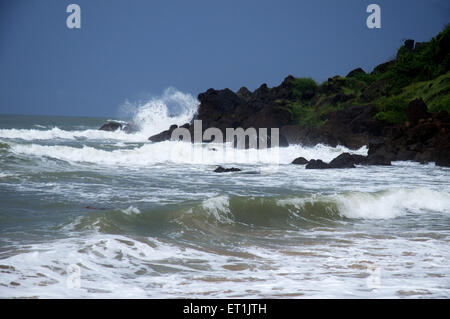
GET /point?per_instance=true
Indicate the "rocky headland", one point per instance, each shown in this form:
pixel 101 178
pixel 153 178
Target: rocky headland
pixel 400 110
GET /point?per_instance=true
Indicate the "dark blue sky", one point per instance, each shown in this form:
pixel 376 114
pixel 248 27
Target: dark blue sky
pixel 129 50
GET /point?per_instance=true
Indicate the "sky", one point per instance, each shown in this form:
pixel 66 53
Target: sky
pixel 134 50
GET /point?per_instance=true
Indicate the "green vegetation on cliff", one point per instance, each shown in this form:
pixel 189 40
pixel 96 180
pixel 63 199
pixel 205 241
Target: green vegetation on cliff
pixel 418 71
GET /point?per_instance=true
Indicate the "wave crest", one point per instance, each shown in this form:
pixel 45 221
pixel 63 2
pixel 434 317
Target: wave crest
pixel 224 213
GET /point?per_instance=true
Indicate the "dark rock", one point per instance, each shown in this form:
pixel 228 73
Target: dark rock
pixel 352 127
pixel 379 160
pixel 262 92
pixel 417 110
pixel 409 44
pixel 244 93
pixel 215 104
pixel 308 94
pixel 317 164
pixel 419 46
pixel 163 136
pixel 405 155
pixel 424 156
pixel 334 85
pixel 111 126
pixel 442 156
pixel 220 169
pixel 300 161
pixel 383 67
pixel 358 159
pixel 375 90
pixel 444 162
pixel 355 72
pixel 344 160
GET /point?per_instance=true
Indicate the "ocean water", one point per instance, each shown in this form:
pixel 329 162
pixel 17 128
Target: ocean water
pixel 92 214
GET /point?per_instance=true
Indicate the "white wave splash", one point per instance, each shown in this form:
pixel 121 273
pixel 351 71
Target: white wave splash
pixel 179 152
pixel 386 204
pixel 151 117
pixel 57 133
pixel 219 208
pixel 392 203
pixel 131 210
pixel 158 113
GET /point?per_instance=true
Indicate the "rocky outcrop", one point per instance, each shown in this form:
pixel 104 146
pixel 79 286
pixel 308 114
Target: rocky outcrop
pixel 353 127
pixel 417 110
pixel 225 109
pixel 346 110
pixel 423 138
pixel 355 72
pixel 262 108
pixel 383 67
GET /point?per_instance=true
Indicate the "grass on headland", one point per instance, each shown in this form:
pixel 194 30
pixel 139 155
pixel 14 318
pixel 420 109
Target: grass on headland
pixel 420 73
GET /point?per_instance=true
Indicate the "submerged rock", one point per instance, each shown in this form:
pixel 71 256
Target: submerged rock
pixel 317 164
pixel 347 160
pixel 111 126
pixel 344 160
pixel 300 161
pixel 221 169
pixel 163 136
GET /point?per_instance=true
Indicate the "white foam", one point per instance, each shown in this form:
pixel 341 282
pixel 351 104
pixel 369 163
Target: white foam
pixel 392 203
pixel 57 133
pixel 178 152
pixel 386 204
pixel 131 210
pixel 219 208
pixel 114 266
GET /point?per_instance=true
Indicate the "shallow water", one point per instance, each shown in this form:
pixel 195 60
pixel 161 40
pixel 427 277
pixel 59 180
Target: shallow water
pixel 164 225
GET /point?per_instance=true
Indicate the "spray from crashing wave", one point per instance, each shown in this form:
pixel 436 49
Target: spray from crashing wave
pixel 150 117
pixel 158 113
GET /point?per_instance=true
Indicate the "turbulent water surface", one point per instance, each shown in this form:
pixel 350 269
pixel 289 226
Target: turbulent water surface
pixel 161 224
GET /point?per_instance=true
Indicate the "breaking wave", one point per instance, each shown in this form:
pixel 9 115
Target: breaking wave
pixel 273 212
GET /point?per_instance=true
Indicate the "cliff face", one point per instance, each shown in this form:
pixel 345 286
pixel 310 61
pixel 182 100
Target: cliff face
pixel 400 109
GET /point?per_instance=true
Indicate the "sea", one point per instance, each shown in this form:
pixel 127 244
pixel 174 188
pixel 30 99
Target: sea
pixel 86 213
